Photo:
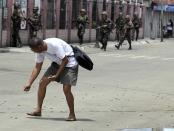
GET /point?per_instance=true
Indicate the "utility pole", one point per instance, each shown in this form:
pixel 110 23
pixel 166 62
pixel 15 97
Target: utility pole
pixel 97 30
pixel 162 14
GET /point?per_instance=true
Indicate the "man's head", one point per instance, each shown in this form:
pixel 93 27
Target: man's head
pixel 82 12
pixel 36 45
pixel 127 18
pixel 16 5
pixel 35 9
pixel 104 15
pixel 120 14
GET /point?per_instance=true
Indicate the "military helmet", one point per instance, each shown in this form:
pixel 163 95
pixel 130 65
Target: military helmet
pixel 104 13
pixel 36 8
pixel 127 17
pixel 120 14
pixel 83 10
pixel 16 5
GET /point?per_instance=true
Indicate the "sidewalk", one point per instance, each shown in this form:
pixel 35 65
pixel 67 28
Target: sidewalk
pixel 87 46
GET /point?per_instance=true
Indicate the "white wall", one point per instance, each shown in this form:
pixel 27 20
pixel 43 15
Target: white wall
pixel 37 3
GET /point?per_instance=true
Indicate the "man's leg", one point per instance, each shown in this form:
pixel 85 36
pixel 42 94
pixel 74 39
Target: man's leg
pixel 129 41
pixel 81 39
pixel 117 34
pixel 41 95
pixel 133 34
pixel 105 40
pixel 120 43
pixel 14 41
pixel 137 33
pixel 18 39
pixel 14 36
pixel 101 40
pixel 78 34
pixel 70 101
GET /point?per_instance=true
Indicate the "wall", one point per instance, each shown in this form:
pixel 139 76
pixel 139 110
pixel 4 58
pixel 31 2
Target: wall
pixel 156 22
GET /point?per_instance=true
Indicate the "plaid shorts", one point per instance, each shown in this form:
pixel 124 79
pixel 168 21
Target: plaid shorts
pixel 67 77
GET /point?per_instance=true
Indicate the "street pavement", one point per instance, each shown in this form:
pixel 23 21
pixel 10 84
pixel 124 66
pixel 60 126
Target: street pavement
pixel 126 89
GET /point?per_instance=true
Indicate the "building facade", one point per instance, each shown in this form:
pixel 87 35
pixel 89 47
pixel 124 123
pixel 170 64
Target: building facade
pixel 58 16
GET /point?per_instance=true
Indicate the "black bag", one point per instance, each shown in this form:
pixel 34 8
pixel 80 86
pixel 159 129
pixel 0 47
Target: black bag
pixel 82 58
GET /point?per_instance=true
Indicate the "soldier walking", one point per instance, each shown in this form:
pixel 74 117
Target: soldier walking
pixel 105 26
pixel 127 33
pixel 82 20
pixel 16 19
pixel 120 22
pixel 136 25
pixel 34 23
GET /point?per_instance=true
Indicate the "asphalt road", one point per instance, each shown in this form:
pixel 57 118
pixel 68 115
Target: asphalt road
pixel 126 89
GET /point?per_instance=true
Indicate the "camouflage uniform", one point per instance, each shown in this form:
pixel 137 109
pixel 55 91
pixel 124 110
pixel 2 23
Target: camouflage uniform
pixel 136 25
pixel 105 27
pixel 34 23
pixel 81 25
pixel 16 19
pixel 120 22
pixel 127 33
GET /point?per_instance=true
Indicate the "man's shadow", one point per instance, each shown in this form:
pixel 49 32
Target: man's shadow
pixel 59 119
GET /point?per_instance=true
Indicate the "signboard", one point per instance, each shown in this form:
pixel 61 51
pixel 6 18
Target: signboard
pixel 166 8
pixel 24 22
pixel 23 4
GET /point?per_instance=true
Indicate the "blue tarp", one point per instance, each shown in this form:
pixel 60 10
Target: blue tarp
pixel 166 8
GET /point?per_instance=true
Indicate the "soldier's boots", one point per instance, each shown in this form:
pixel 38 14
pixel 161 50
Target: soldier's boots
pixel 102 47
pixel 81 40
pixel 117 46
pixel 19 45
pixel 130 47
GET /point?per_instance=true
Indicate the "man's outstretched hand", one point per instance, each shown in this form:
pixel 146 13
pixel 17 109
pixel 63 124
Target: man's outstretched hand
pixel 27 88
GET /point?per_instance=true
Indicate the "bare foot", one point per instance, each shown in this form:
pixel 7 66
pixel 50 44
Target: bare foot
pixel 71 118
pixel 35 113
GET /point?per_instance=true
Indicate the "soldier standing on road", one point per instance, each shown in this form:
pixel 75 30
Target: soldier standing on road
pixel 120 22
pixel 127 33
pixel 136 25
pixel 105 27
pixel 34 23
pixel 82 20
pixel 16 19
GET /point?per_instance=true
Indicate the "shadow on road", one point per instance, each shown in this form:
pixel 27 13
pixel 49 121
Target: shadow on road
pixel 59 119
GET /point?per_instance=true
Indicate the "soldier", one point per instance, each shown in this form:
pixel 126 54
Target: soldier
pixel 105 27
pixel 127 32
pixel 136 25
pixel 82 20
pixel 16 19
pixel 34 23
pixel 120 22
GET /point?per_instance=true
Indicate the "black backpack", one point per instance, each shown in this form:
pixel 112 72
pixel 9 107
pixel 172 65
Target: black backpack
pixel 82 58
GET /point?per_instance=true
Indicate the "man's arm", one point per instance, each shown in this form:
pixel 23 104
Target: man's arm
pixel 61 68
pixel 33 76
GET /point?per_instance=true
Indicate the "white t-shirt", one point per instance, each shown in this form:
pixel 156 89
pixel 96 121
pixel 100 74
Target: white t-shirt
pixel 57 49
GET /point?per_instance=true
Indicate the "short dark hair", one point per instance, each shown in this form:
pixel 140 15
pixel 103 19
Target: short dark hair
pixel 35 42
